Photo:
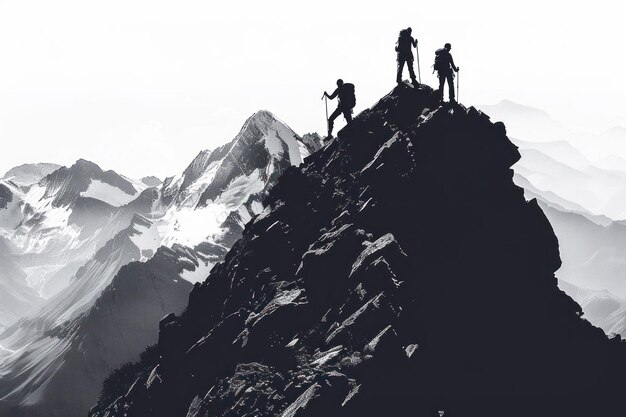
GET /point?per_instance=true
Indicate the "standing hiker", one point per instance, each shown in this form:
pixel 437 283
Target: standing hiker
pixel 347 101
pixel 404 49
pixel 444 65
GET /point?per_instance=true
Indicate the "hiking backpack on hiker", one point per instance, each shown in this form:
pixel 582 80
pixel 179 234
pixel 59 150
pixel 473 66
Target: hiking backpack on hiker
pixel 347 96
pixel 440 64
pixel 403 44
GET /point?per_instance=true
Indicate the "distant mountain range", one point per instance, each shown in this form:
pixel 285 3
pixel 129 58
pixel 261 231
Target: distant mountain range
pixel 584 199
pixel 109 256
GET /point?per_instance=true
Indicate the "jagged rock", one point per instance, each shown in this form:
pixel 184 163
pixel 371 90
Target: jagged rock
pixel 399 271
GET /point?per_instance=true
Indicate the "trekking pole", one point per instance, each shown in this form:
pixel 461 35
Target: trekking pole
pixel 458 84
pixel 326 104
pixel 419 71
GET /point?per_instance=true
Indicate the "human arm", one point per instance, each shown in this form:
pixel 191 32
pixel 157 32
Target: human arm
pixel 333 95
pixel 454 67
pixel 414 42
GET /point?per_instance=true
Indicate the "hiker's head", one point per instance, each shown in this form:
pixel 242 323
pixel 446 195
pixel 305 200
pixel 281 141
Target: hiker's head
pixel 339 82
pixel 409 31
pixel 448 46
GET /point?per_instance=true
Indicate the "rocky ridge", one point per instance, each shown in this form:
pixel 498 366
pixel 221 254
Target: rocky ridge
pixel 399 271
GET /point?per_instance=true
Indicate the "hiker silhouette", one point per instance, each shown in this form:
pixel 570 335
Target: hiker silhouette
pixel 347 101
pixel 404 49
pixel 444 65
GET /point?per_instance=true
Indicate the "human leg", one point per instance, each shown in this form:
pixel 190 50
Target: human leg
pixel 400 69
pixel 442 81
pixel 331 120
pixel 347 114
pixel 450 77
pixel 409 64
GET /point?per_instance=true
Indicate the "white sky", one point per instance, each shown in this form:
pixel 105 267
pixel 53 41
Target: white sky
pixel 141 86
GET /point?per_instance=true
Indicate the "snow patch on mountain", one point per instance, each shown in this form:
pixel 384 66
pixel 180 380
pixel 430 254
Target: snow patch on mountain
pixel 107 193
pixel 199 274
pixel 147 239
pixel 188 226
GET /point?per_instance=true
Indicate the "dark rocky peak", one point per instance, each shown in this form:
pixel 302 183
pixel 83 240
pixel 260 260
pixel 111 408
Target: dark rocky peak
pixel 398 271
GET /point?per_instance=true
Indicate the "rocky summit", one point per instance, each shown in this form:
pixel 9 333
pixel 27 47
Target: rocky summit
pixel 397 272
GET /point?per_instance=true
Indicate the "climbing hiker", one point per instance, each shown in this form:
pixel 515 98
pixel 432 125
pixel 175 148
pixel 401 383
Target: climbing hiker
pixel 347 101
pixel 404 49
pixel 444 65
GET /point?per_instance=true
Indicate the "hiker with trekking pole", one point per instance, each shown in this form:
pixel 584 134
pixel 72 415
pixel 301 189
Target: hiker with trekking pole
pixel 347 101
pixel 404 48
pixel 444 65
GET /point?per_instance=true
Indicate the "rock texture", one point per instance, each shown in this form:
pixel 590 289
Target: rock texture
pixel 398 272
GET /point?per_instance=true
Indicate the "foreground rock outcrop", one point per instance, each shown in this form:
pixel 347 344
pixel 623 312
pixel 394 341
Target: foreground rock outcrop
pixel 398 272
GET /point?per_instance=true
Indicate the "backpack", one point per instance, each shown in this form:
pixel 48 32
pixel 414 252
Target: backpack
pixel 403 44
pixel 441 60
pixel 347 97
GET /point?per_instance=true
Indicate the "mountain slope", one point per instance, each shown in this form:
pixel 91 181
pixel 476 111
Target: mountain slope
pixel 61 372
pixel 593 255
pixel 108 313
pixel 601 308
pixel 398 272
pixel 17 297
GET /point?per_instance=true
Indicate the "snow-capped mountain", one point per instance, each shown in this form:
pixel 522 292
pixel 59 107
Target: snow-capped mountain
pixel 231 179
pixel 60 222
pixel 28 174
pixel 176 234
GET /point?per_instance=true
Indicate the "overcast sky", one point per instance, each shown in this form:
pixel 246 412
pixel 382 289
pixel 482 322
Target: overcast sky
pixel 141 86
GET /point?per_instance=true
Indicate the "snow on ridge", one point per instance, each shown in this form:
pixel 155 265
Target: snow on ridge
pixel 278 133
pixel 197 187
pixel 107 193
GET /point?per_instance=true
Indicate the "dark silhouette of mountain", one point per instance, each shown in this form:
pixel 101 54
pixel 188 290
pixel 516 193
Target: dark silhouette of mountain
pixel 399 271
